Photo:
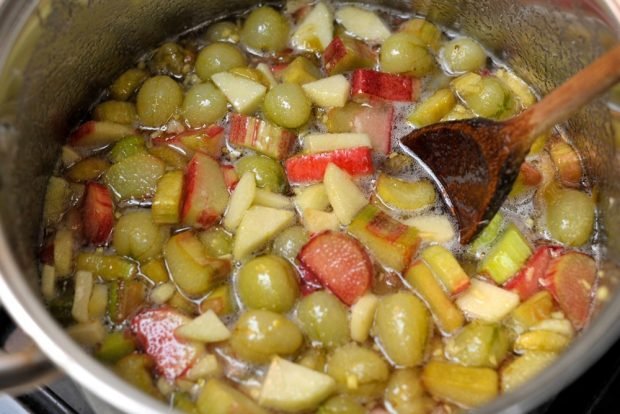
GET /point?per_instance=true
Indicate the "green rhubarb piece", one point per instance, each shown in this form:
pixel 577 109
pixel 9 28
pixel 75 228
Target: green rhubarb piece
pixel 466 386
pixel 300 71
pixel 507 256
pixel 446 268
pixel 168 196
pixel 135 177
pixel 448 317
pixel 116 345
pixel 124 298
pixel 219 398
pixel 479 344
pixel 487 235
pixel 392 243
pixel 433 108
pixel 57 200
pixel 107 267
pixel 136 369
pixel 127 147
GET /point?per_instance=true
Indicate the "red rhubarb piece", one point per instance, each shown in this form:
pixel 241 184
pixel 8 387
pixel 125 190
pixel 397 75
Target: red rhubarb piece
pixel 97 214
pixel 154 330
pixel 372 84
pixel 306 168
pixel 261 136
pixel 376 121
pixel 96 134
pixel 528 280
pixel 340 263
pixel 570 279
pixel 231 178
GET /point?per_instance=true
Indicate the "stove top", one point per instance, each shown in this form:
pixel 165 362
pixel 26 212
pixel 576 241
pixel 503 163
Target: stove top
pixel 595 392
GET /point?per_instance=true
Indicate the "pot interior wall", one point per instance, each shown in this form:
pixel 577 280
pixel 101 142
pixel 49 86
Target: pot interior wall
pixel 79 47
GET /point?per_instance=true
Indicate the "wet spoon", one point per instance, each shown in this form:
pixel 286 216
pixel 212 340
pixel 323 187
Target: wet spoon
pixel 476 161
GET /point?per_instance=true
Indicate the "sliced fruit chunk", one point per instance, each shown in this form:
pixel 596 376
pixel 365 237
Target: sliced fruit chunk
pixel 376 120
pixel 217 397
pixel 528 280
pixel 363 24
pixel 208 140
pixel 534 310
pixel 244 94
pixel 340 263
pixel 57 200
pixel 261 136
pixel 467 386
pixel 259 225
pixel 433 227
pixel 231 178
pixel 506 256
pixel 240 201
pixel 317 221
pixel 300 71
pixel 96 134
pixel 219 300
pixel 193 272
pixel 421 278
pixel 154 330
pixel 315 32
pixel 545 341
pixel 97 214
pixel 433 108
pixel 567 163
pixel 366 83
pixel 524 368
pixel 206 195
pixel 313 196
pixel 308 168
pixel 166 207
pixel 329 92
pixel 362 315
pixel 446 268
pixel 487 302
pixel 314 143
pixel 344 54
pixel 344 195
pixel 405 195
pixel 479 345
pixel 392 243
pixel 292 387
pixel 107 267
pixel 571 279
pixel 205 328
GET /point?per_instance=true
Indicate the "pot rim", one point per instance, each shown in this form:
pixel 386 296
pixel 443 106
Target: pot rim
pixel 35 320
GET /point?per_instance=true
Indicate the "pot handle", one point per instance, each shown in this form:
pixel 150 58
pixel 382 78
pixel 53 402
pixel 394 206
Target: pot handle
pixel 22 365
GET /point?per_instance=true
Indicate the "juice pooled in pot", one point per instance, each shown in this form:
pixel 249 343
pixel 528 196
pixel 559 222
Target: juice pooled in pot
pixel 236 228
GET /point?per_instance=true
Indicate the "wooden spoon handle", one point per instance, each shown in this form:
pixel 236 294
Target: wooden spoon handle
pixel 562 102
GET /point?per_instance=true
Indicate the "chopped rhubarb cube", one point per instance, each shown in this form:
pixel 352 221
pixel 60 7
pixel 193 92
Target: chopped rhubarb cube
pixel 97 214
pixel 306 168
pixel 154 330
pixel 261 136
pixel 368 83
pixel 344 54
pixel 206 194
pixel 527 281
pixel 376 121
pixel 392 243
pixel 231 178
pixel 340 263
pixel 308 282
pixel 570 278
pixel 209 140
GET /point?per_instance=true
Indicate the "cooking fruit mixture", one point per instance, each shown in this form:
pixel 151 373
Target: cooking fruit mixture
pixel 237 229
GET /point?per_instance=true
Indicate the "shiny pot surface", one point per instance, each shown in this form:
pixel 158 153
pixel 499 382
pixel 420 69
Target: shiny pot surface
pixel 57 55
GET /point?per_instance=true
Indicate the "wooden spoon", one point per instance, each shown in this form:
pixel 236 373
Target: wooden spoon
pixel 476 161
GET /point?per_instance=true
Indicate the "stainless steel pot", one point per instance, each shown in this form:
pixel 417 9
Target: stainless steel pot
pixel 56 55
